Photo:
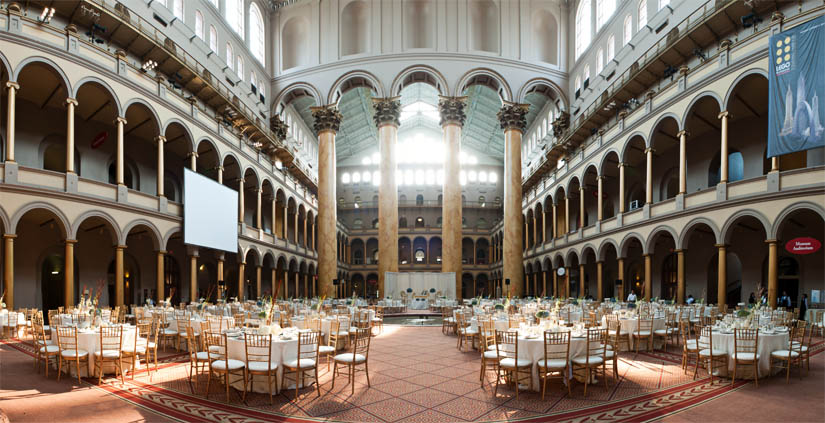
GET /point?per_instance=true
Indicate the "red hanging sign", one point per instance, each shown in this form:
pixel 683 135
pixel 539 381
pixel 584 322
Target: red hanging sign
pixel 803 245
pixel 99 139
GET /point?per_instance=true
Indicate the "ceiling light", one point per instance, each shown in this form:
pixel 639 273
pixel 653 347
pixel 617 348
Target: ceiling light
pixel 55 272
pixel 47 15
pixel 148 65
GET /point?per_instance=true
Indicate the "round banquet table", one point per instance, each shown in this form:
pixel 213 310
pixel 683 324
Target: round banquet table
pixel 299 322
pixel 282 350
pixel 629 327
pixel 89 340
pixel 67 319
pixel 4 318
pixel 768 343
pixel 533 350
pixel 500 324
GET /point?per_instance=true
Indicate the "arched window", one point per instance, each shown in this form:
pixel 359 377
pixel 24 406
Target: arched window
pixel 578 84
pixel 234 16
pixel 199 24
pixel 600 60
pixel 586 75
pixel 736 168
pixel 611 42
pixel 583 18
pixel 253 79
pixel 177 8
pixel 642 13
pixel 213 39
pixel 419 200
pixel 230 56
pixel 419 222
pixel 627 33
pixel 239 67
pixel 604 9
pixel 256 33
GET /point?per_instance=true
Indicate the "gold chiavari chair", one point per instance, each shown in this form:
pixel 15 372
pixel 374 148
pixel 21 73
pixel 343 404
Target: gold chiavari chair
pixel 670 333
pixel 198 360
pixel 611 344
pixel 644 330
pixel 182 323
pixel 358 356
pixel 240 320
pixel 690 347
pixel 331 346
pixel 487 345
pixel 616 331
pixel 447 321
pixel 713 358
pixel 556 361
pixel 306 361
pixel 220 364
pixel 465 331
pixel 313 324
pixel 593 362
pixel 791 356
pixel 111 351
pixel 69 352
pixel 134 351
pixel 745 343
pixel 43 349
pixel 509 365
pixel 378 320
pixel 166 332
pixel 805 348
pixel 259 362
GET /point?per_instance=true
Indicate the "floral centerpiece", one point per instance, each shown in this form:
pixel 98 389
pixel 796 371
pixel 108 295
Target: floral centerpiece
pixel 2 303
pixel 409 290
pixel 499 307
pixel 432 290
pixel 320 304
pixel 542 314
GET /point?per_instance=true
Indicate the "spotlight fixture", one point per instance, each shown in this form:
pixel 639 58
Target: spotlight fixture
pixel 46 16
pixel 148 65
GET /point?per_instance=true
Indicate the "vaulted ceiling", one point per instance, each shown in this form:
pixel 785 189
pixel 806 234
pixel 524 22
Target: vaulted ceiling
pixel 481 134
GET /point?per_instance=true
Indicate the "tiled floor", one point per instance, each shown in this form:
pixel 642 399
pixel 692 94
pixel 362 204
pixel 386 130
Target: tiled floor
pixel 416 374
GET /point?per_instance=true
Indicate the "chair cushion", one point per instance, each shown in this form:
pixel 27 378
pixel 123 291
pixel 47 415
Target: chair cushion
pixel 746 356
pixel 609 353
pixel 691 345
pixel 715 353
pixel 223 364
pixel 305 363
pixel 261 366
pixel 107 354
pixel 49 349
pixel 131 349
pixel 170 332
pixel 468 331
pixel 491 354
pixel 71 353
pixel 513 363
pixel 642 333
pixel 326 349
pixel 345 333
pixel 203 356
pixel 663 332
pixel 594 359
pixel 784 354
pixel 348 358
pixel 215 349
pixel 553 363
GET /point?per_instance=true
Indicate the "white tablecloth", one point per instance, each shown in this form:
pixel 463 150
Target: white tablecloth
pixel 281 351
pixel 629 327
pixel 390 303
pixel 500 325
pixel 419 304
pixel 533 350
pixel 768 343
pixel 89 340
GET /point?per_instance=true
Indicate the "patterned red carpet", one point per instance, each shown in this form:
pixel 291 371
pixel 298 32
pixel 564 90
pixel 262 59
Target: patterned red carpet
pixel 418 375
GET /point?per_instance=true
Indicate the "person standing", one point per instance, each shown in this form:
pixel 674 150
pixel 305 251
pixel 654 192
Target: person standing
pixel 803 306
pixel 752 298
pixel 632 297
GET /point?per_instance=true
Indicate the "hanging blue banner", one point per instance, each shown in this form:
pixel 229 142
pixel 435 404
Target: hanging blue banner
pixel 797 83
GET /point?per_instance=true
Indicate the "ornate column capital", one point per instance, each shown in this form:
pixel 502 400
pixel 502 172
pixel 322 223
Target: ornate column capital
pixel 513 116
pixel 71 101
pixel 683 133
pixel 387 111
pixel 278 128
pixel 771 241
pixel 12 85
pixel 327 118
pixel 650 150
pixel 195 155
pixel 451 110
pixel 160 139
pixel 724 114
pixel 120 120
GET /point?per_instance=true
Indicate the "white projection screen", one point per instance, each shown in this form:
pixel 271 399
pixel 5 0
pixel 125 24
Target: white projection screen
pixel 210 213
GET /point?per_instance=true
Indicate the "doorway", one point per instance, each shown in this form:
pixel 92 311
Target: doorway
pixel 52 277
